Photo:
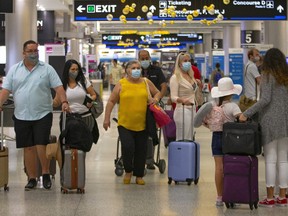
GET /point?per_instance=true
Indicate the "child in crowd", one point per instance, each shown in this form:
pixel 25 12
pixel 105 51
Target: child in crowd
pixel 229 111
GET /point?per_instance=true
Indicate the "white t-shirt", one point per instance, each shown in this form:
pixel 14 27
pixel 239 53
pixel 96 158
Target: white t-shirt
pixel 76 97
pixel 230 110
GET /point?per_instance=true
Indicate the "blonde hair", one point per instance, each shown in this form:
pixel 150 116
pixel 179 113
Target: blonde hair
pixel 177 69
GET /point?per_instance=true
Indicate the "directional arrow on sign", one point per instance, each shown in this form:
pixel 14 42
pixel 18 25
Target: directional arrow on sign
pixel 280 8
pixel 104 37
pixel 152 8
pixel 80 8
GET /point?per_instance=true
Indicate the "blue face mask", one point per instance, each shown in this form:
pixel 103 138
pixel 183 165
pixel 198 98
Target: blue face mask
pixel 73 74
pixel 33 58
pixel 136 73
pixel 186 66
pixel 145 64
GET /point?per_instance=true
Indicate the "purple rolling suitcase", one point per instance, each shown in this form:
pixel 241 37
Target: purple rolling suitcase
pixel 184 160
pixel 240 180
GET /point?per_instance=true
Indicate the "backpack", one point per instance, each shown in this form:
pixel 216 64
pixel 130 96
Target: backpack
pixel 217 77
pixel 215 119
pixel 76 133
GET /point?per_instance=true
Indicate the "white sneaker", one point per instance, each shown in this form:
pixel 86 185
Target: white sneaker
pixel 219 202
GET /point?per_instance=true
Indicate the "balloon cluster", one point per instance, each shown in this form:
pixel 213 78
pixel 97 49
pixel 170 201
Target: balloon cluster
pixel 168 12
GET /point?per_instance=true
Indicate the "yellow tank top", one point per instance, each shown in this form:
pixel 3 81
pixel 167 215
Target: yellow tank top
pixel 132 105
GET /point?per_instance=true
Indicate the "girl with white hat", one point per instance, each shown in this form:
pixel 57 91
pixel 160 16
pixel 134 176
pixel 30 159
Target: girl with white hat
pixel 224 92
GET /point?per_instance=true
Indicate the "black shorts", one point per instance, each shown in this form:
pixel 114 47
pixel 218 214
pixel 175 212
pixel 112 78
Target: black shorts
pixel 31 133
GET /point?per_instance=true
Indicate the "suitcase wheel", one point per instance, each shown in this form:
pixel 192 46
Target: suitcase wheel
pixel 229 205
pixel 189 183
pixel 251 206
pixel 6 188
pixel 196 181
pixel 162 166
pixel 176 182
pixel 119 171
pixel 255 205
pixel 81 190
pixel 64 191
pixel 169 181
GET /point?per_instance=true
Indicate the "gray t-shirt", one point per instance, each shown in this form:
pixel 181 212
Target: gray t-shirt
pixel 250 74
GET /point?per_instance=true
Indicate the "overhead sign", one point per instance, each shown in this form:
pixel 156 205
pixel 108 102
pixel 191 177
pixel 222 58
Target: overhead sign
pixel 89 10
pixel 155 39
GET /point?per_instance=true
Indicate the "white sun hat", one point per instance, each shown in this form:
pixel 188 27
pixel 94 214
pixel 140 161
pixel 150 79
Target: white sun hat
pixel 225 87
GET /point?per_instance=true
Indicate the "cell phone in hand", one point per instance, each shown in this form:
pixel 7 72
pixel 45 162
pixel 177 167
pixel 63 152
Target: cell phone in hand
pixel 88 98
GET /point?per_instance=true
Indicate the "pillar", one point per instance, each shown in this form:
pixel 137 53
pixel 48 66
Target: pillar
pixel 20 27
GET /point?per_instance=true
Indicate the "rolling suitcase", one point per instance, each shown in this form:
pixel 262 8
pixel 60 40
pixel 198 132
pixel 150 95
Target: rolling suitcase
pixel 240 180
pixel 72 174
pixel 184 160
pixel 4 167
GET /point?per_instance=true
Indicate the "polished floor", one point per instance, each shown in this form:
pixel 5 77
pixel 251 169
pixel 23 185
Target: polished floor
pixel 106 195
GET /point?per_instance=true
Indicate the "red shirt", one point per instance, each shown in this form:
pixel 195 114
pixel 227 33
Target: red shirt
pixel 197 74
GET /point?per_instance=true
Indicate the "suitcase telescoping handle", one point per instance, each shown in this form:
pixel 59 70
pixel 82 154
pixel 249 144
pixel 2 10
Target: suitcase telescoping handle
pixel 2 131
pixel 183 120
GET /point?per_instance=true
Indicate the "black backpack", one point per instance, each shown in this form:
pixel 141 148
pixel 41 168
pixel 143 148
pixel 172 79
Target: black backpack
pixel 77 134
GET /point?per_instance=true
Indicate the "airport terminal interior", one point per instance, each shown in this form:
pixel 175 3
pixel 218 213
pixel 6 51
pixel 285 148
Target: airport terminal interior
pixel 105 194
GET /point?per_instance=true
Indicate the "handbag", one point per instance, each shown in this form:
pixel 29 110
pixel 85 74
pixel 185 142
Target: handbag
pixel 242 138
pixel 245 103
pixel 97 108
pixel 199 97
pixel 169 130
pixel 160 116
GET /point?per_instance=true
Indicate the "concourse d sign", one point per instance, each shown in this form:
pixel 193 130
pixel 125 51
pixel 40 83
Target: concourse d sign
pixel 97 10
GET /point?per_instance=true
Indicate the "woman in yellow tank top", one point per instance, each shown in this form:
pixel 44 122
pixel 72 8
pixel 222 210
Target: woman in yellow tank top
pixel 132 96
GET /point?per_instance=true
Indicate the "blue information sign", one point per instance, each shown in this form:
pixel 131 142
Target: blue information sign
pixel 218 57
pixel 236 66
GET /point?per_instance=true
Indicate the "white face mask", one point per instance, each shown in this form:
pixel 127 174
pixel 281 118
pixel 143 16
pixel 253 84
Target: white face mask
pixel 256 58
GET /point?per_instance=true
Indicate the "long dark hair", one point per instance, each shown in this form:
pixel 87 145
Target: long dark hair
pixel 274 63
pixel 80 77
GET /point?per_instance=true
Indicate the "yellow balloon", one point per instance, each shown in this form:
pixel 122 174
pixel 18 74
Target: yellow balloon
pixel 122 17
pixel 138 18
pixel 131 9
pixel 164 24
pixel 172 22
pixel 208 23
pixel 109 17
pixel 124 21
pixel 123 1
pixel 205 7
pixel 144 8
pixel 173 14
pixel 214 21
pixel 195 13
pixel 125 11
pixel 220 17
pixel 184 9
pixel 150 21
pixel 203 21
pixel 133 5
pixel 127 6
pixel 189 17
pixel 226 2
pixel 212 6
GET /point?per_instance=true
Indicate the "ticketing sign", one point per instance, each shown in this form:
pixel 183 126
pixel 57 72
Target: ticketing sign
pixel 88 10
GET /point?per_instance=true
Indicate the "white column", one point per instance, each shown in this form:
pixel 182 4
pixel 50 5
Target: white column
pixel 20 27
pixel 276 32
pixel 231 39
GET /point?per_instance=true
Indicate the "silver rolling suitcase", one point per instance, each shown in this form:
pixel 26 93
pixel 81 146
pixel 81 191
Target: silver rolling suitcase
pixel 73 170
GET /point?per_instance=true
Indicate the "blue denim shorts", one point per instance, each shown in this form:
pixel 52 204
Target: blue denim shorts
pixel 217 144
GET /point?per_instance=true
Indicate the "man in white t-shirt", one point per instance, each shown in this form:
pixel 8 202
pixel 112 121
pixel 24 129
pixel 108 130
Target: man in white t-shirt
pixel 251 74
pixel 251 80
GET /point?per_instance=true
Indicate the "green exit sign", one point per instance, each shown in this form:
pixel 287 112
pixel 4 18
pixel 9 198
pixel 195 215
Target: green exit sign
pixel 90 8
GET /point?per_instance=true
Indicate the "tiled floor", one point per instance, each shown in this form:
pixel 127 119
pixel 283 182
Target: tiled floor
pixel 107 196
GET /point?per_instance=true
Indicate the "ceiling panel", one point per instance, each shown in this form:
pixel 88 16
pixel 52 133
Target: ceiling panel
pixel 59 5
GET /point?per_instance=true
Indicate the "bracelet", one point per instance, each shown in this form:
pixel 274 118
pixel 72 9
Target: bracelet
pixel 64 102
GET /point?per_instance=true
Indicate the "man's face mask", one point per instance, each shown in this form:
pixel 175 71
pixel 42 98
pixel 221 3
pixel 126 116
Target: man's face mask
pixel 145 64
pixel 33 57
